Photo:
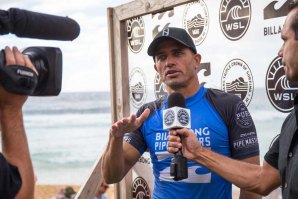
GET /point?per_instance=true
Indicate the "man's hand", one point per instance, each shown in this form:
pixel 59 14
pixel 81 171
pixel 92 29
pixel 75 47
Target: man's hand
pixel 10 100
pixel 186 140
pixel 128 124
pixel 119 156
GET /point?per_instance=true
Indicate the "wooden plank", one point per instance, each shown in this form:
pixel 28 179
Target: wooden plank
pixel 142 7
pixel 88 189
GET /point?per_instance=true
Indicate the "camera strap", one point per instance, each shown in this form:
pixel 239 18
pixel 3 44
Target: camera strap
pixel 18 79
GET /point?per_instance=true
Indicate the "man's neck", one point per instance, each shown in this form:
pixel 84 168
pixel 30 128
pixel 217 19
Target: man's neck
pixel 188 91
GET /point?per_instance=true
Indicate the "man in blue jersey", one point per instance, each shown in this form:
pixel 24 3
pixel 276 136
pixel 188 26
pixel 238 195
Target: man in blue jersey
pixel 16 170
pixel 220 121
pixel 280 166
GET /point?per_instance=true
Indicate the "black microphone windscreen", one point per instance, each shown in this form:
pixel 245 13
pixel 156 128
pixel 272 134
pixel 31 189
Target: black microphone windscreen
pixel 43 26
pixel 176 99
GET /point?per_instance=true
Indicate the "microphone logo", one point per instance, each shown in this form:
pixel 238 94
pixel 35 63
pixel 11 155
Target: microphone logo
pixel 183 117
pixel 169 117
pixel 176 117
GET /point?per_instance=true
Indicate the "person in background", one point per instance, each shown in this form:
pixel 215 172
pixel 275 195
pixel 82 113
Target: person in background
pixel 218 119
pixel 16 170
pixel 101 191
pixel 280 166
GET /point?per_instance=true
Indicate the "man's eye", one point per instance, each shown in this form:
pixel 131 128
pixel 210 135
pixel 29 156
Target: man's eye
pixel 177 53
pixel 161 57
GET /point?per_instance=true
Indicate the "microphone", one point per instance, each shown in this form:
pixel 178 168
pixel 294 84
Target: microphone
pixel 24 23
pixel 175 117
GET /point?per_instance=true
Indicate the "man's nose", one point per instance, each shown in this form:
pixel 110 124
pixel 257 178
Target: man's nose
pixel 170 61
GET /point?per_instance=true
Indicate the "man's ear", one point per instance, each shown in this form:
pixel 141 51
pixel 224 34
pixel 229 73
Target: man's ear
pixel 197 60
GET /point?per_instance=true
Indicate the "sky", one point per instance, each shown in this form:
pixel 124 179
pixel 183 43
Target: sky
pixel 86 58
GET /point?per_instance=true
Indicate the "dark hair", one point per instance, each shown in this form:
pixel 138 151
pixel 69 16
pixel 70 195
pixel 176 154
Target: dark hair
pixel 292 5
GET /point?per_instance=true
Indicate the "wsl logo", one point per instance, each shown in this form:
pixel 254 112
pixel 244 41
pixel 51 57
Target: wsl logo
pixel 237 79
pixel 136 34
pixel 234 18
pixel 183 117
pixel 196 21
pixel 169 117
pixel 140 189
pixel 280 91
pixel 137 87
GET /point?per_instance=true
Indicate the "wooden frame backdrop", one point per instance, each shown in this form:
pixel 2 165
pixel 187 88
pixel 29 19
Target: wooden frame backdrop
pixel 119 80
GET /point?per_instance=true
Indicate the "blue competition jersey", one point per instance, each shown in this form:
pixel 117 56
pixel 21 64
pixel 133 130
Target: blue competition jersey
pixel 221 122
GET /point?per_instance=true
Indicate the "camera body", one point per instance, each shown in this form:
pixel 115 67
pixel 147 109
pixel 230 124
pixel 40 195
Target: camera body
pixel 22 80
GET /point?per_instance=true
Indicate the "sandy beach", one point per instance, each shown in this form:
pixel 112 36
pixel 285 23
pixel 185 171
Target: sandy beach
pixel 49 191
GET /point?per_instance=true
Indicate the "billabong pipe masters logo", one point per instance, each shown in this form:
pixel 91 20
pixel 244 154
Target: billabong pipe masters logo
pixel 196 21
pixel 234 17
pixel 137 84
pixel 237 79
pixel 275 9
pixel 280 91
pixel 136 34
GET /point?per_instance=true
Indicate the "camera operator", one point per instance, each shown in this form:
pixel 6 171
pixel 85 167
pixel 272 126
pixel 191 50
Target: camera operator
pixel 16 169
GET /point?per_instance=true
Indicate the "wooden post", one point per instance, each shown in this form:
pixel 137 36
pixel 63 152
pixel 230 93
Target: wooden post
pixel 119 84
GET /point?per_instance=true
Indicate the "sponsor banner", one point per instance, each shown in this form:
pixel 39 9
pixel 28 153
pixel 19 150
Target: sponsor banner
pixel 234 18
pixel 238 80
pixel 280 91
pixel 140 189
pixel 137 86
pixel 238 41
pixel 196 21
pixel 135 34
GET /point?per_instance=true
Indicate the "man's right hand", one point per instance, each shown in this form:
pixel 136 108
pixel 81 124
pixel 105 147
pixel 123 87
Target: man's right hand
pixel 128 124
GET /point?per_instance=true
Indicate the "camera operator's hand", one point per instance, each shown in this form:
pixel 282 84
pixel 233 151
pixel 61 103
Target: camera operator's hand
pixel 186 140
pixel 10 100
pixel 15 149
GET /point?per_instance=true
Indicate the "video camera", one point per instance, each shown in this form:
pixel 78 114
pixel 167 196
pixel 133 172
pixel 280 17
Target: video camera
pixel 22 80
pixel 47 60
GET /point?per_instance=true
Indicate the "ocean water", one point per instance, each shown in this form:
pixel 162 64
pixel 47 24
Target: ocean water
pixel 69 132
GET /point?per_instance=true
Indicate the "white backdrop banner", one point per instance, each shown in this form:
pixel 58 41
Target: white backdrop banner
pixel 239 42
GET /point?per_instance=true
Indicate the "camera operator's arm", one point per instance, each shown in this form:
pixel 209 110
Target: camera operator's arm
pixel 14 141
pixel 251 177
pixel 120 156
